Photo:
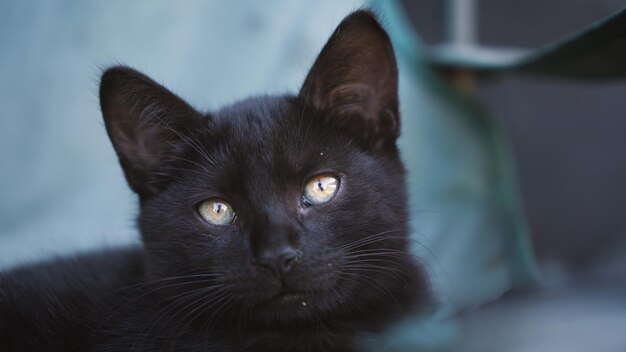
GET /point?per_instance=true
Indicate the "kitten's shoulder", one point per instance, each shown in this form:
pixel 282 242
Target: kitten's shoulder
pixel 103 267
pixel 63 299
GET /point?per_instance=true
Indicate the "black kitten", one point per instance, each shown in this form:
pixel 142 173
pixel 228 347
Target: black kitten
pixel 274 224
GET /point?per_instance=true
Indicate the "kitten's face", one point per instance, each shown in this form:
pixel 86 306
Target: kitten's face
pixel 286 207
pixel 281 251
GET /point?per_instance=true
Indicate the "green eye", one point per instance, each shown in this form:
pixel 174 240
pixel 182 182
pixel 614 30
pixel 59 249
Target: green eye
pixel 217 212
pixel 321 189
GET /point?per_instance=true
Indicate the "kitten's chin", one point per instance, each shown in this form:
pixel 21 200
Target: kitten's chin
pixel 294 307
pixel 300 298
pixel 291 300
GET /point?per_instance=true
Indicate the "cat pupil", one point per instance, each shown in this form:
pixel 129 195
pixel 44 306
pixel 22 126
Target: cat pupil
pixel 219 208
pixel 319 184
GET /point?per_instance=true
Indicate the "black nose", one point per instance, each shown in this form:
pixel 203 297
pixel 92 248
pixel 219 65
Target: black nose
pixel 279 260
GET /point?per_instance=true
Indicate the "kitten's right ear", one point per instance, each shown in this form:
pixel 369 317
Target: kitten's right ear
pixel 354 80
pixel 148 125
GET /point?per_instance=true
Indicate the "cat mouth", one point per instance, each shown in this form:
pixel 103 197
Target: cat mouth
pixel 289 294
pixel 299 296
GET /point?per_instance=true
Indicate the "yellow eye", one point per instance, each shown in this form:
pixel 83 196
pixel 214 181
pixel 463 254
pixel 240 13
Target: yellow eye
pixel 216 212
pixel 321 189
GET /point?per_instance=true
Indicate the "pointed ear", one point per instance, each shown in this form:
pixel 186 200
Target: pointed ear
pixel 354 80
pixel 148 125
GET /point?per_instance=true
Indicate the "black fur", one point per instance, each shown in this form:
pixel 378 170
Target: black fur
pixel 194 286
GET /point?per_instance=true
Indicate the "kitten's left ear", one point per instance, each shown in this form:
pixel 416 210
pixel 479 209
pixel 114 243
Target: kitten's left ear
pixel 354 80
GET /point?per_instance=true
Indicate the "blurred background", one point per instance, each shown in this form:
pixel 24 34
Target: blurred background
pixel 516 180
pixel 568 140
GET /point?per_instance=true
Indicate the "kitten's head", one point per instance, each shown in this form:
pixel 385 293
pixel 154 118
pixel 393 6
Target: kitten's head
pixel 290 207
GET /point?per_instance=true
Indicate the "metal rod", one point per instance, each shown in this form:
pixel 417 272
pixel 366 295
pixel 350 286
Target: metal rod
pixel 462 22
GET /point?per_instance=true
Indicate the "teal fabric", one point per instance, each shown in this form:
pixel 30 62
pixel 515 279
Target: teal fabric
pixel 468 223
pixel 597 51
pixel 466 213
